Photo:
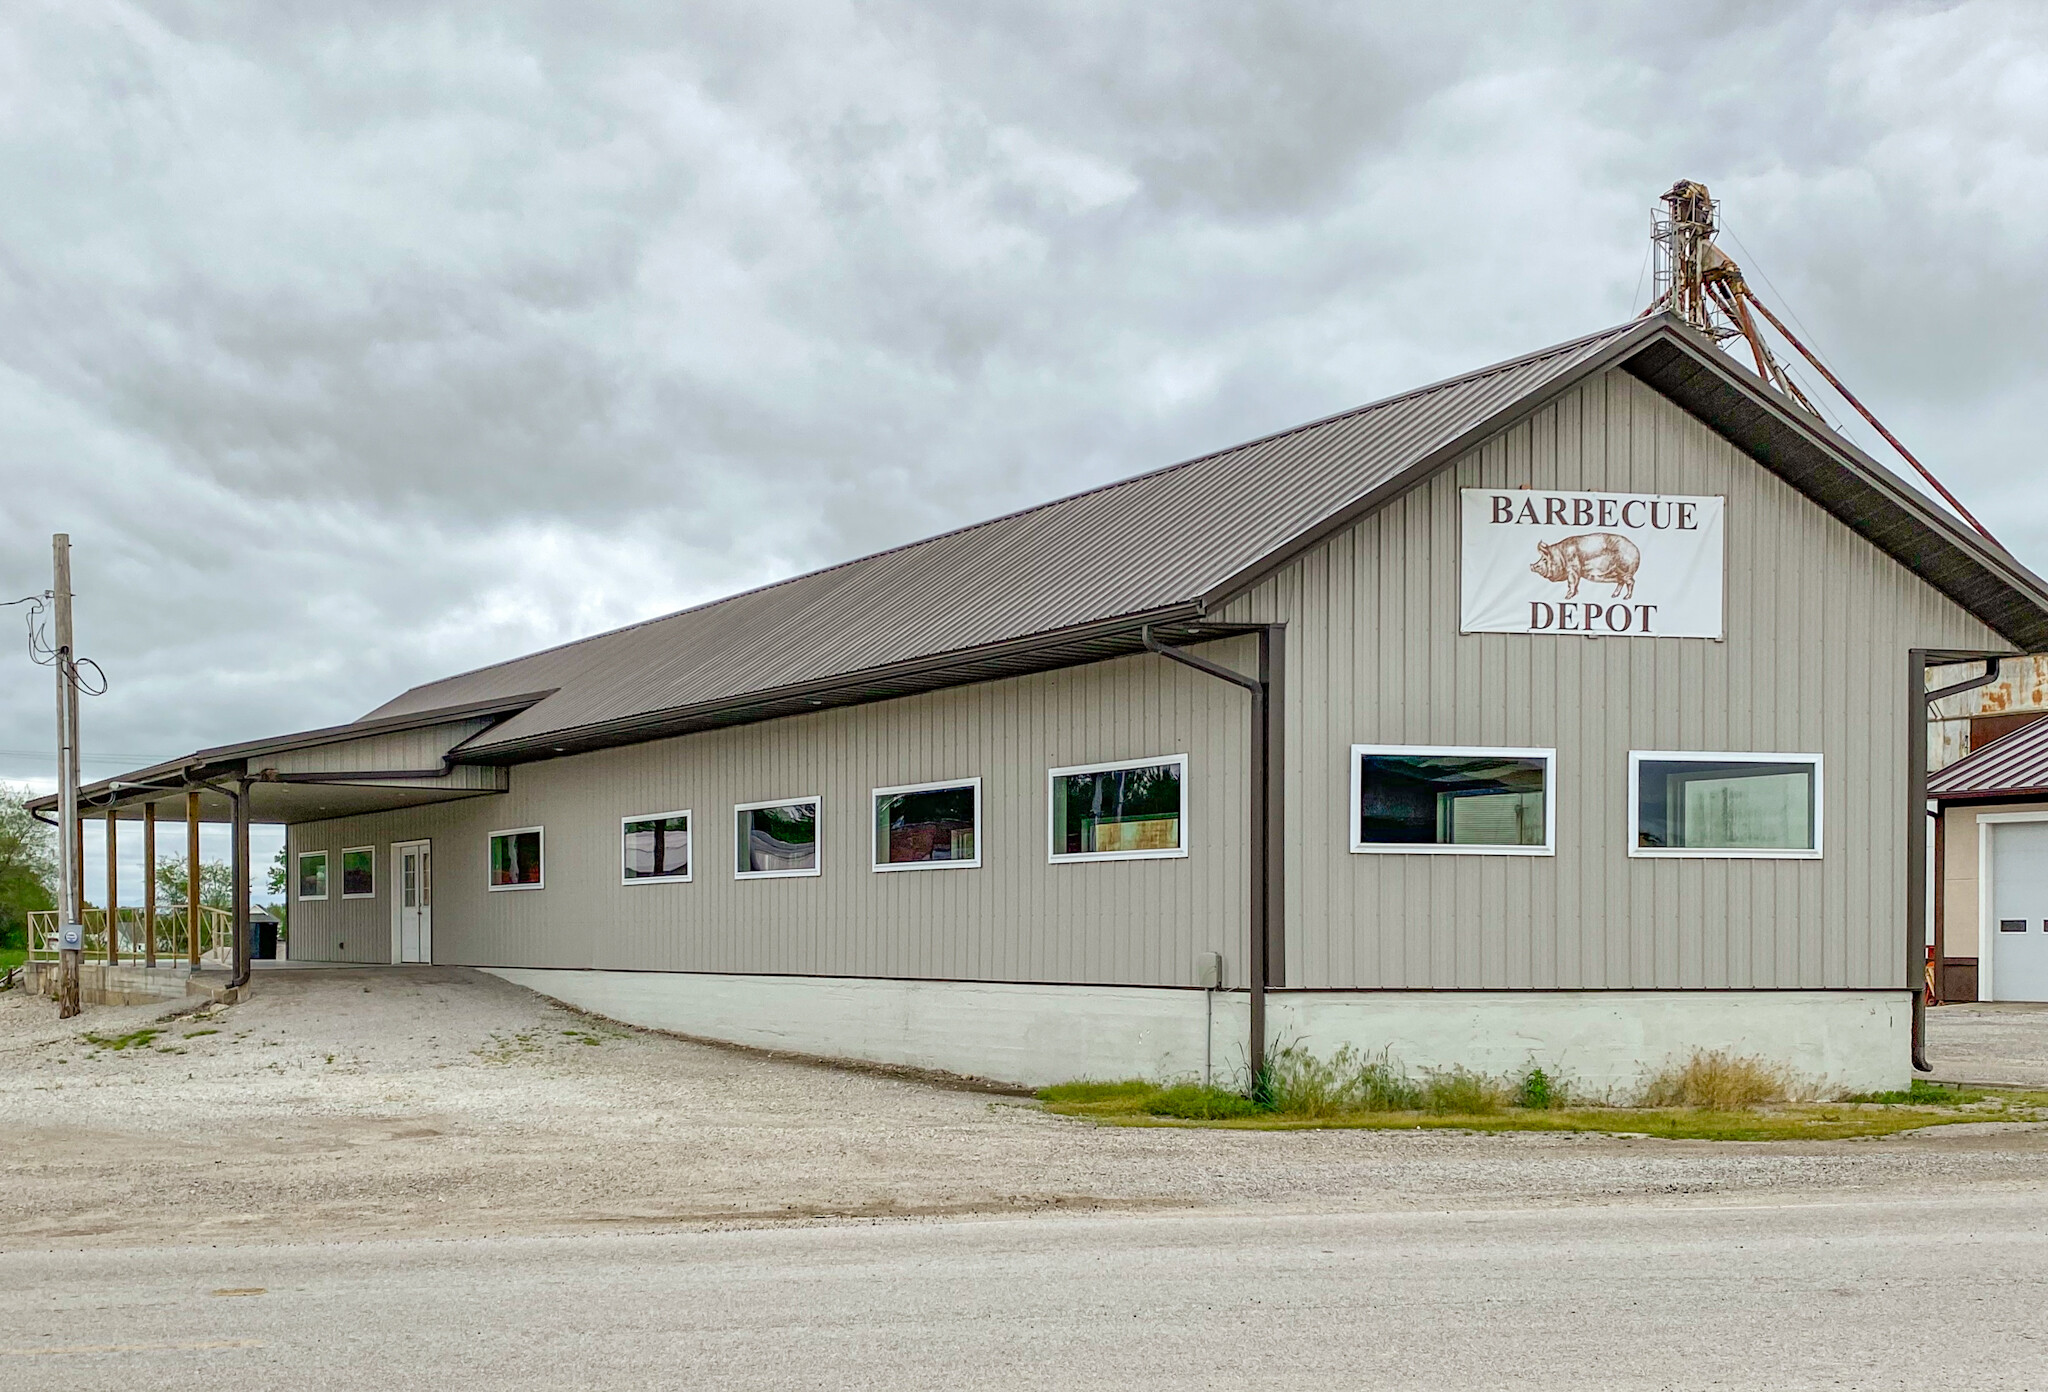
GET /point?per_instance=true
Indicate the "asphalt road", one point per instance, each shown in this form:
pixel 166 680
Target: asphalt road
pixel 1950 1291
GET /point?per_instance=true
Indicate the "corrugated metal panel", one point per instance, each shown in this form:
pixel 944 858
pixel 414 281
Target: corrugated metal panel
pixel 1017 918
pixel 422 748
pixel 2016 764
pixel 1819 623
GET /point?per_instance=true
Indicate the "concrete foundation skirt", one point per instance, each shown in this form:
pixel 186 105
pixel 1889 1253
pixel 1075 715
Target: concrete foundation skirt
pixel 1603 1041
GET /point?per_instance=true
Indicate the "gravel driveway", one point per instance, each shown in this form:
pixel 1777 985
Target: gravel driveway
pixel 439 1101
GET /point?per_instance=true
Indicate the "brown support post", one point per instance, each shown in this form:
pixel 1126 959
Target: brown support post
pixel 192 879
pixel 148 884
pixel 113 894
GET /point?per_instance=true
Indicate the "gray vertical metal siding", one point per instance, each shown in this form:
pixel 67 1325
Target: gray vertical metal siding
pixel 1818 626
pixel 1818 622
pixel 1016 918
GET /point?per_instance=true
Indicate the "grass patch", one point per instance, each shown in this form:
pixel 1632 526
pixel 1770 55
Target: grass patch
pixel 1709 1097
pixel 115 1043
pixel 12 957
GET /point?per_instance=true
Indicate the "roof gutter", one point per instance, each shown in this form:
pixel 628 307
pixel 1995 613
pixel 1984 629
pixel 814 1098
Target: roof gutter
pixel 1267 847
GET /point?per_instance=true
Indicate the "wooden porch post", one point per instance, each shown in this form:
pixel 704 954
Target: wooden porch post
pixel 192 878
pixel 113 893
pixel 148 884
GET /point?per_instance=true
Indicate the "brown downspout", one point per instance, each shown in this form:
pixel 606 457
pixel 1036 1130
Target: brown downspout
pixel 1267 840
pixel 1918 701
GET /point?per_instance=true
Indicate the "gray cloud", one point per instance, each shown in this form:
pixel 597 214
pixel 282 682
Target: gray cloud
pixel 356 345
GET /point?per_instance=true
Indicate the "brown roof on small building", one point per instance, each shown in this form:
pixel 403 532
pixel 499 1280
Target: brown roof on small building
pixel 2015 766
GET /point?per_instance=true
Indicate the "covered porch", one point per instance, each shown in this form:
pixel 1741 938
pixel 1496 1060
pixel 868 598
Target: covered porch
pixel 314 775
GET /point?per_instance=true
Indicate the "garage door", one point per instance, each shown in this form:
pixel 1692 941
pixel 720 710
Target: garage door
pixel 2019 911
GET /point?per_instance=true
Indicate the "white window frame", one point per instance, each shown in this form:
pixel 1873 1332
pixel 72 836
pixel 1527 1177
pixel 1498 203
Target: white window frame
pixel 818 853
pixel 326 878
pixel 1638 851
pixel 541 883
pixel 1360 846
pixel 344 854
pixel 691 831
pixel 874 850
pixel 1055 856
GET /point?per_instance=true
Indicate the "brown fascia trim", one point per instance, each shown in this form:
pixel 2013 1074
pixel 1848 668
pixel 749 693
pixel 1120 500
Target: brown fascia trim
pixel 854 688
pixel 2023 617
pixel 1946 800
pixel 384 725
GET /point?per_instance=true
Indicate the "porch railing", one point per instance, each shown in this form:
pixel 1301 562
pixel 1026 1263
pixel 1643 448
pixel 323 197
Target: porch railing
pixel 174 929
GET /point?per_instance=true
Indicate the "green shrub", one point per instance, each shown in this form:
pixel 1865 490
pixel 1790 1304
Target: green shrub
pixel 1539 1091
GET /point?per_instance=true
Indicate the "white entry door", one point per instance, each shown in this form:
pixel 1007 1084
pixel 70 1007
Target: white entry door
pixel 415 861
pixel 2018 929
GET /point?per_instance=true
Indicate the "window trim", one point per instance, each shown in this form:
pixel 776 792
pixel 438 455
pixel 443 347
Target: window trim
pixel 1054 856
pixel 541 883
pixel 691 831
pixel 346 852
pixel 1356 815
pixel 1638 851
pixel 326 878
pixel 818 854
pixel 881 867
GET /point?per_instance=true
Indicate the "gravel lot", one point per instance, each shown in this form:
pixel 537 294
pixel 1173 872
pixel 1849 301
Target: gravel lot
pixel 442 1102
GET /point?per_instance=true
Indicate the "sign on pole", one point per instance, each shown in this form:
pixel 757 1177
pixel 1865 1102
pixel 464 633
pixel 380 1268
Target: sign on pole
pixel 1622 565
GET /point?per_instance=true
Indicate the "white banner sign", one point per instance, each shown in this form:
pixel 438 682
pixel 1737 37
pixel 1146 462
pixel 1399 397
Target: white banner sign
pixel 1632 565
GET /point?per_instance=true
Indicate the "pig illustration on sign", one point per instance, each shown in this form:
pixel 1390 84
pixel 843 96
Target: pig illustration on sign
pixel 1602 557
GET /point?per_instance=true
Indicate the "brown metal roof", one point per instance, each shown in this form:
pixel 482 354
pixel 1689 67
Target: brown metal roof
pixel 1159 544
pixel 1070 581
pixel 2015 766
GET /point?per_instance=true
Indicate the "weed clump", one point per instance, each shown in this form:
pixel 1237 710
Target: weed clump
pixel 1300 1084
pixel 1717 1081
pixel 1134 1089
pixel 1460 1092
pixel 1539 1091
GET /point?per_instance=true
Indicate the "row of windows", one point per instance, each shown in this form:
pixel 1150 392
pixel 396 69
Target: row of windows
pixel 1404 800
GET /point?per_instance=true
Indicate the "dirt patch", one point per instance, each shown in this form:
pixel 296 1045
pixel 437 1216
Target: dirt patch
pixel 440 1101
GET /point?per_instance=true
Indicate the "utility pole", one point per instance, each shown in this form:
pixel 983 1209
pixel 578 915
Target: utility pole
pixel 71 931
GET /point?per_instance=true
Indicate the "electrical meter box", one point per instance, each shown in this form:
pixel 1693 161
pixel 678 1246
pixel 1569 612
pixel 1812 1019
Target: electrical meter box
pixel 71 937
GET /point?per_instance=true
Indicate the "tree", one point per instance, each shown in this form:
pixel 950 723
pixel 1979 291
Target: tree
pixel 28 865
pixel 276 885
pixel 216 883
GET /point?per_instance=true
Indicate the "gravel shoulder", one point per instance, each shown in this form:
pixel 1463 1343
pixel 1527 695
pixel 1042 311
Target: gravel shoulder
pixel 443 1102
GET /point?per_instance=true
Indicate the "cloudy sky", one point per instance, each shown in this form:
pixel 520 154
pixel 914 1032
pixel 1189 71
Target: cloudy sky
pixel 356 344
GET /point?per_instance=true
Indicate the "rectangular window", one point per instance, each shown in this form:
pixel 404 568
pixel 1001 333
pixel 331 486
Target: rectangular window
pixel 1687 804
pixel 1130 810
pixel 359 873
pixel 516 858
pixel 312 874
pixel 928 826
pixel 655 846
pixel 776 839
pixel 1411 799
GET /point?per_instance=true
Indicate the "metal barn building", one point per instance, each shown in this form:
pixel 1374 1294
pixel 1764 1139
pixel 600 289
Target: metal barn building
pixel 1570 711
